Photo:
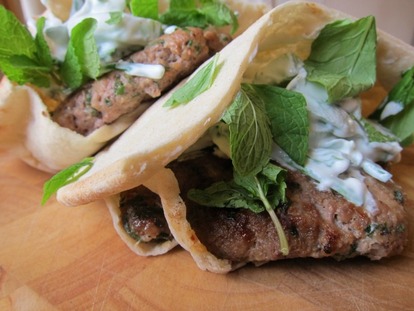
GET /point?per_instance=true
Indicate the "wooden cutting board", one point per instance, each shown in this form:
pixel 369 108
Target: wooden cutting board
pixel 58 258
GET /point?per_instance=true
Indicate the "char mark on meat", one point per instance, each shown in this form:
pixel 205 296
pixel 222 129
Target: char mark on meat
pixel 103 101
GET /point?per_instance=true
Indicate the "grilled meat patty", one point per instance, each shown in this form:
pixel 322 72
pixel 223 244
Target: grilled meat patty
pixel 103 101
pixel 317 223
pixel 142 216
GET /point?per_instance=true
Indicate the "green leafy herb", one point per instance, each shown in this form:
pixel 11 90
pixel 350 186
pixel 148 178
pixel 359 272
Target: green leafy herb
pixel 218 14
pixel 270 182
pixel 28 60
pixel 257 185
pixel 82 59
pixel 343 58
pixel 199 83
pixel 144 8
pixel 288 119
pixel 403 91
pixel 401 123
pixel 42 51
pixel 374 132
pixel 114 18
pixel 182 4
pixel 23 59
pixel 186 13
pixel 226 195
pixel 250 135
pixel 67 176
pixel 262 192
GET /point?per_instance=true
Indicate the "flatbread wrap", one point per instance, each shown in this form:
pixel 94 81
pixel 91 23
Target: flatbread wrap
pixel 317 162
pixel 107 65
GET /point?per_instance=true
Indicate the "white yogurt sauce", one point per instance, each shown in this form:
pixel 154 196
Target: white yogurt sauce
pixel 339 147
pixel 129 33
pixel 152 71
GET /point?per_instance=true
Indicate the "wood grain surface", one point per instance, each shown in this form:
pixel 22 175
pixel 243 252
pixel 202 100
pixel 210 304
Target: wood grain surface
pixel 58 258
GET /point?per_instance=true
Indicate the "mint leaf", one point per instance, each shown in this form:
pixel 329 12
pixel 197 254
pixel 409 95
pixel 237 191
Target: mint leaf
pixel 288 118
pixel 258 193
pixel 184 18
pixel 343 58
pixel 375 133
pixel 22 42
pixel 226 195
pixel 42 53
pixel 23 59
pixel 82 59
pixel 403 91
pixel 250 135
pixel 275 185
pixel 184 13
pixel 400 123
pixel 270 181
pixel 218 14
pixel 71 70
pixel 64 177
pixel 31 71
pixel 182 4
pixel 114 18
pixel 144 8
pixel 199 83
pixel 269 187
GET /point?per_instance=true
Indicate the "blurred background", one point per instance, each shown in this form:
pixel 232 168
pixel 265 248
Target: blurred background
pixel 394 17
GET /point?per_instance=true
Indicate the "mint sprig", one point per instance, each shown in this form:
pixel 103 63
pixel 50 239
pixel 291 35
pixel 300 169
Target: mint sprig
pixel 82 59
pixel 250 134
pixel 374 132
pixel 144 8
pixel 343 58
pixel 198 84
pixel 289 120
pixel 258 185
pixel 65 177
pixel 188 13
pixel 114 18
pixel 23 59
pixel 258 193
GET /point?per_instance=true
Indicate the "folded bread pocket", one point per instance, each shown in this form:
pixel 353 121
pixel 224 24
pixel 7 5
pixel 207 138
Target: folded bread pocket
pixel 138 218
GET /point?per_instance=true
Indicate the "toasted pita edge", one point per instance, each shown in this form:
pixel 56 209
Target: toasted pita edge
pixel 166 186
